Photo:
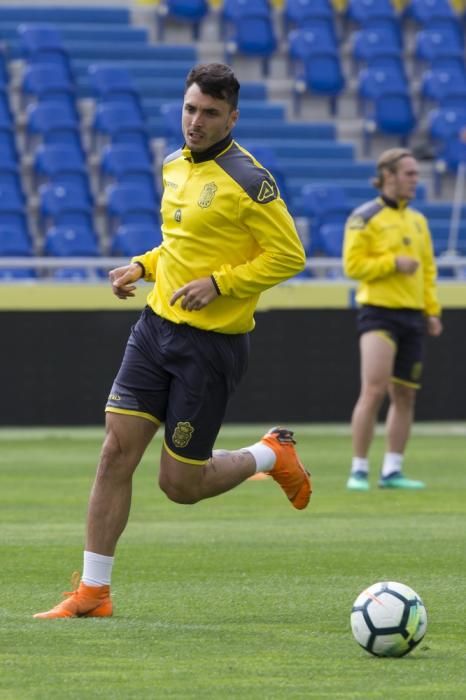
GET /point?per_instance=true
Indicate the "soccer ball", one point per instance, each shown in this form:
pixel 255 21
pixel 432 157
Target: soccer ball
pixel 388 619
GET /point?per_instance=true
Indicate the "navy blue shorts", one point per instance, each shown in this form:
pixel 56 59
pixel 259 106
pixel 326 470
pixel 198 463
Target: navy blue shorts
pixel 406 329
pixel 181 376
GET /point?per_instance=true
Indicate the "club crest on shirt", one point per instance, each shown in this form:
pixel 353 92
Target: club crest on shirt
pixel 182 433
pixel 207 195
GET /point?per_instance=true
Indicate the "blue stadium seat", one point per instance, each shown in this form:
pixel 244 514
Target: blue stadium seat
pixel 306 41
pixel 135 239
pixel 232 10
pixel 371 43
pixel 251 33
pixel 130 204
pixel 431 44
pixel 315 34
pixel 106 80
pixel 60 162
pixel 71 241
pixel 190 11
pixel 14 241
pixel 425 12
pixel 393 115
pixel 321 74
pixel 444 124
pixel 42 43
pixel 53 122
pixel 14 235
pixel 115 120
pixel 64 204
pixel 451 154
pixel 323 205
pixel 117 160
pixel 42 81
pixel 331 239
pixel 363 11
pixel 438 84
pixel 298 12
pixel 446 128
pixel 373 82
pixel 321 200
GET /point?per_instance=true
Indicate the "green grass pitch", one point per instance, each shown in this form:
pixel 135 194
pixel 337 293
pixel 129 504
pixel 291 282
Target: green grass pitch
pixel 238 597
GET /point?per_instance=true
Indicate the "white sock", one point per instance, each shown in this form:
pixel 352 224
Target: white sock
pixel 264 456
pixel 360 464
pixel 392 462
pixel 97 569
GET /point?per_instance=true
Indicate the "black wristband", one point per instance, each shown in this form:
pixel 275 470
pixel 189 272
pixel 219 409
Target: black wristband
pixel 215 285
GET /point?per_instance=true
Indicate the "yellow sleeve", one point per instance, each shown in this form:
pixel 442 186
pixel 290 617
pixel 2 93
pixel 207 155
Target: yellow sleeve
pixel 358 261
pixel 281 254
pixel 149 262
pixel 429 268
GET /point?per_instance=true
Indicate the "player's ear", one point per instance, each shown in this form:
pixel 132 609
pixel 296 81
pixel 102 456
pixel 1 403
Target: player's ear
pixel 233 118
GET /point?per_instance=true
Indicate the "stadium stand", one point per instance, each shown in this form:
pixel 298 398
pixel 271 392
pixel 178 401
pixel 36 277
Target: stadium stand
pixel 90 103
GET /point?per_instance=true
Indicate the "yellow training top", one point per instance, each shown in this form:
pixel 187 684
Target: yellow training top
pixel 375 234
pixel 223 217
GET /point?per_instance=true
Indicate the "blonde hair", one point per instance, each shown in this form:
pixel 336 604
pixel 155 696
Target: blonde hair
pixel 388 160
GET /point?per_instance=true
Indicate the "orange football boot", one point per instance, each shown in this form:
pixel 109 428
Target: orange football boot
pixel 288 471
pixel 85 601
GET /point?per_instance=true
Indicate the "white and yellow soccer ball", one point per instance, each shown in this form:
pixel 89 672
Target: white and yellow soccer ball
pixel 388 619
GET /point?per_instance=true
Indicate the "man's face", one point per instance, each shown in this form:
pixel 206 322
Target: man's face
pixel 402 184
pixel 205 120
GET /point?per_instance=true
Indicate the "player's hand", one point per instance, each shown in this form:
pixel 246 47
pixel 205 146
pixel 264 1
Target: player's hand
pixel 406 265
pixel 434 325
pixel 122 278
pixel 195 295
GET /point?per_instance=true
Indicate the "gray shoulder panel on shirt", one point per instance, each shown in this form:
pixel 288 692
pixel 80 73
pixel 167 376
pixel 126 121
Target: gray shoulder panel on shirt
pixel 367 210
pixel 172 156
pixel 254 180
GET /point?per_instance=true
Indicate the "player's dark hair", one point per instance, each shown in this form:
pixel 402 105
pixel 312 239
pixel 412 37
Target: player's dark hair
pixel 216 80
pixel 389 160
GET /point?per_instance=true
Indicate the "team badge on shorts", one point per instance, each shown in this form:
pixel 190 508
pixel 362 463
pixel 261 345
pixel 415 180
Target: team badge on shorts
pixel 182 433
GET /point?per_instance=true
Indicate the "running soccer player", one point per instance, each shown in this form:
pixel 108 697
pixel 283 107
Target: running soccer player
pixel 227 236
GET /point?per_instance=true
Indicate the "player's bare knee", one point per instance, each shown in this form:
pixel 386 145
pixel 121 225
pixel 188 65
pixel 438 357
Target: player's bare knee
pixel 373 394
pixel 115 458
pixel 178 492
